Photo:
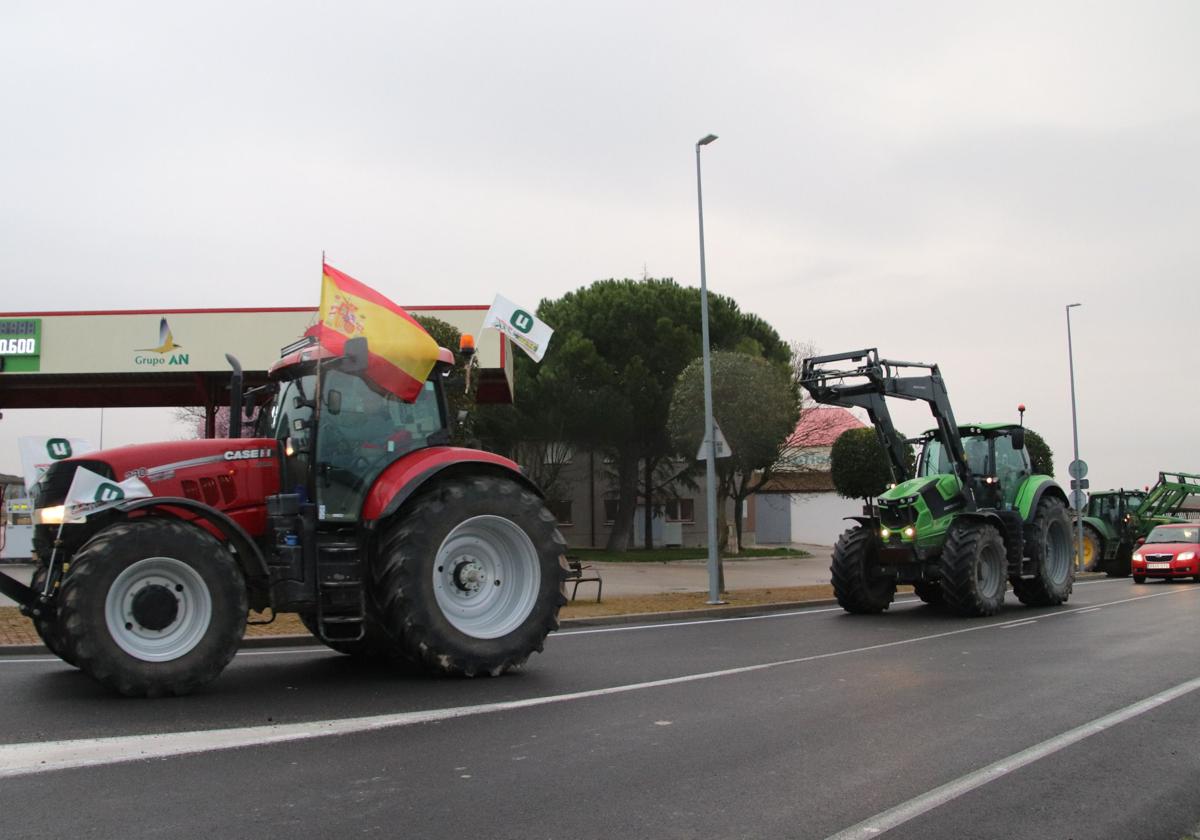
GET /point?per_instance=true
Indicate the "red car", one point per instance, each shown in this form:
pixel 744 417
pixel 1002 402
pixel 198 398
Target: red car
pixel 1170 551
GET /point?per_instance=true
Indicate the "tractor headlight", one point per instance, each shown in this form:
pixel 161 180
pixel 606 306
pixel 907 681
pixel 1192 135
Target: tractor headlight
pixel 884 533
pixel 48 515
pixel 909 532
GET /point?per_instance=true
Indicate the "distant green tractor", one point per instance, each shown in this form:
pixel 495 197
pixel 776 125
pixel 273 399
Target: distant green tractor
pixel 1116 519
pixel 972 519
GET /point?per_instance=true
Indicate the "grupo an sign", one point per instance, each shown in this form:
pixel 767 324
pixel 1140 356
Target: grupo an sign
pixel 21 343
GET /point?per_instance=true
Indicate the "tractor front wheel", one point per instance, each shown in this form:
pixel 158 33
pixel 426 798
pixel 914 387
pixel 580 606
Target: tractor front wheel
pixel 857 589
pixel 974 566
pixel 152 607
pixel 930 592
pixel 48 627
pixel 469 578
pixel 1053 563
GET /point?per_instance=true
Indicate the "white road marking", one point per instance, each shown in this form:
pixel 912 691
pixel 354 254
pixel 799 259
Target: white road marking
pixel 1024 623
pixel 27 758
pixel 919 805
pixel 1088 610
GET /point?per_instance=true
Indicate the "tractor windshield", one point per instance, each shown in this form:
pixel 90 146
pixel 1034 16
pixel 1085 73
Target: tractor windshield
pixel 935 460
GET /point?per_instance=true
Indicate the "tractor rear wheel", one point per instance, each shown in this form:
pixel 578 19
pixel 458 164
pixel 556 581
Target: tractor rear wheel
pixel 153 606
pixel 1122 564
pixel 930 592
pixel 854 558
pixel 974 569
pixel 1093 549
pixel 469 578
pixel 1053 563
pixel 48 628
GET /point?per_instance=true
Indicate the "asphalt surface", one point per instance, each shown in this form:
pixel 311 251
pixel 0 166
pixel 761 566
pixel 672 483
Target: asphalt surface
pixel 1074 722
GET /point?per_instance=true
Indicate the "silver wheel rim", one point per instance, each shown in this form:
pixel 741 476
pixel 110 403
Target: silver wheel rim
pixel 486 577
pixel 192 617
pixel 988 572
pixel 1059 549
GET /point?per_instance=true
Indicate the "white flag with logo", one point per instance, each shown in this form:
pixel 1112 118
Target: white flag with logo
pixel 522 328
pixel 38 453
pixel 91 493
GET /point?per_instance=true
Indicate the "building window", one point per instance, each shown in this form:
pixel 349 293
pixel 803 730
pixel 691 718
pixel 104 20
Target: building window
pixel 610 511
pixel 558 453
pixel 680 510
pixel 562 511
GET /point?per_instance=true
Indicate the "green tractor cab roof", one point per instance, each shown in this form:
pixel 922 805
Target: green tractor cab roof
pixel 966 429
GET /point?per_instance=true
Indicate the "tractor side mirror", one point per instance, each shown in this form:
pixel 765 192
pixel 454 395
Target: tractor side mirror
pixel 333 401
pixel 1018 438
pixel 354 359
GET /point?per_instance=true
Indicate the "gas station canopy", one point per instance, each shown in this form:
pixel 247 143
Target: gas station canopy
pixel 177 357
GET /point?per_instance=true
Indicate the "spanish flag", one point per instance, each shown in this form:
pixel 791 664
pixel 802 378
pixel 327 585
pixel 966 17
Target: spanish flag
pixel 400 352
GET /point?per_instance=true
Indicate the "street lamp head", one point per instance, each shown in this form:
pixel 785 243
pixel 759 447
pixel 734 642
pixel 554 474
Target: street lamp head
pixel 1071 305
pixel 706 139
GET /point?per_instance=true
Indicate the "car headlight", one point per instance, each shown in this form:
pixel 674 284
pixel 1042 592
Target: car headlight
pixel 1187 555
pixel 48 516
pixel 1137 555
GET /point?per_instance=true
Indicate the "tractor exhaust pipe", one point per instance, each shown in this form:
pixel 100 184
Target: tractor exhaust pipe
pixel 235 397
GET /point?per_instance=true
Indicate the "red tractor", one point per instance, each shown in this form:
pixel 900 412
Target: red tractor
pixel 347 506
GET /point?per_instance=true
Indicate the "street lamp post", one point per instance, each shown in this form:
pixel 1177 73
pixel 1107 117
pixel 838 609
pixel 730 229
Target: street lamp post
pixel 710 456
pixel 1075 438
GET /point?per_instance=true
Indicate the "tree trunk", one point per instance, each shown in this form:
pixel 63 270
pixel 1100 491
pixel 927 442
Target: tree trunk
pixel 738 501
pixel 648 495
pixel 627 482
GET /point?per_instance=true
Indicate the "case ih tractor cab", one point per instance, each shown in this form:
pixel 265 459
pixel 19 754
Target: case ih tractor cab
pixel 347 507
pixel 971 519
pixel 1116 519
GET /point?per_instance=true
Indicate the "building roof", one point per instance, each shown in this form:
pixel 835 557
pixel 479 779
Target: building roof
pixel 822 425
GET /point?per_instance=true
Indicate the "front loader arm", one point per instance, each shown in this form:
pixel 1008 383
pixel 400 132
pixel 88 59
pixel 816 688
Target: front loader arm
pixel 831 386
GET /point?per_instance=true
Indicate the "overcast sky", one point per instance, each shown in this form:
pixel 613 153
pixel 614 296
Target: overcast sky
pixel 937 179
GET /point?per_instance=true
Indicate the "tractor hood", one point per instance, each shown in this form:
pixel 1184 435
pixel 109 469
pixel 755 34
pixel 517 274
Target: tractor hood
pixel 218 471
pixel 947 486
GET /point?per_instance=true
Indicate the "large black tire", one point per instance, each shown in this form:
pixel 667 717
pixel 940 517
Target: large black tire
pixel 49 628
pixel 1122 565
pixel 1051 549
pixel 857 588
pixel 974 569
pixel 152 607
pixel 1093 548
pixel 470 576
pixel 930 592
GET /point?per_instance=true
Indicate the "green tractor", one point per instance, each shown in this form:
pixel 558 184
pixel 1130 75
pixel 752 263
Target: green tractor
pixel 972 519
pixel 1115 519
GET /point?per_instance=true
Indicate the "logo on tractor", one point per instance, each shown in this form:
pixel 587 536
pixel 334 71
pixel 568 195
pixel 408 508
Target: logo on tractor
pixel 107 492
pixel 58 448
pixel 522 320
pixel 164 350
pixel 245 454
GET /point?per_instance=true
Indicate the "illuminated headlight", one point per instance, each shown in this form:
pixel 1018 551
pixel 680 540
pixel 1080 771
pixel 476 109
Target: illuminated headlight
pixel 1187 555
pixel 1137 555
pixel 48 516
pixel 884 533
pixel 909 532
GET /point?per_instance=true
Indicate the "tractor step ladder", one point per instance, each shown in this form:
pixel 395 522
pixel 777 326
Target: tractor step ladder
pixel 341 601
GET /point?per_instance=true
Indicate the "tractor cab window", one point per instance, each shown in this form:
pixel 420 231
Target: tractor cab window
pixel 291 418
pixel 360 432
pixel 976 447
pixel 1012 467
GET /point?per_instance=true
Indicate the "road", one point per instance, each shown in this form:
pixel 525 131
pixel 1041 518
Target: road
pixel 1076 722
